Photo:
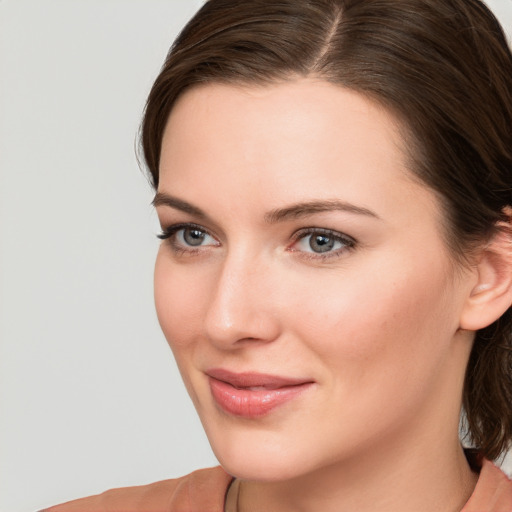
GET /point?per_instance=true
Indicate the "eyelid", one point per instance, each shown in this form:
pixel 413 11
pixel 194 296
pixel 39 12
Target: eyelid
pixel 323 231
pixel 348 242
pixel 169 231
pixel 180 249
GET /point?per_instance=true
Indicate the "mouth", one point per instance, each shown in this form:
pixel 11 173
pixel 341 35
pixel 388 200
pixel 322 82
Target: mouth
pixel 252 395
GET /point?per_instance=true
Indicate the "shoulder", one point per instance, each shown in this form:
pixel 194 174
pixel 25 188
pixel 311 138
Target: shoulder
pixel 493 491
pixel 201 490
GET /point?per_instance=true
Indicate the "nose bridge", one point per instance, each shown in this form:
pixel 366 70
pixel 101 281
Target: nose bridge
pixel 240 308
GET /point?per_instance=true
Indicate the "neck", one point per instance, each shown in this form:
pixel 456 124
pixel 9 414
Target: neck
pixel 399 480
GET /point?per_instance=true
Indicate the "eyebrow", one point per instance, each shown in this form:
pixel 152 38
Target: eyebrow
pixel 294 211
pixel 304 209
pixel 162 199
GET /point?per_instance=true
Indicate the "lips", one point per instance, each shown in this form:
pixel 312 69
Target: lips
pixel 251 395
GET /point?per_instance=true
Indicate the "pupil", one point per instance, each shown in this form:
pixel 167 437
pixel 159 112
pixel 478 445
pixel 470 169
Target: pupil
pixel 193 236
pixel 321 243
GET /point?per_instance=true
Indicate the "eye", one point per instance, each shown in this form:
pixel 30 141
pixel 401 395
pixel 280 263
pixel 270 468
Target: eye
pixel 187 236
pixel 322 242
pixel 193 237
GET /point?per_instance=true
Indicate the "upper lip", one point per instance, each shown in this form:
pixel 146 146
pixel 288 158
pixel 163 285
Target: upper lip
pixel 253 379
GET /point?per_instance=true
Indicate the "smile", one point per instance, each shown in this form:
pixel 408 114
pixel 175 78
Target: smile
pixel 252 395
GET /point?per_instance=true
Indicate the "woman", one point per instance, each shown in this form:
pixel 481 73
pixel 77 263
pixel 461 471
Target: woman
pixel 333 181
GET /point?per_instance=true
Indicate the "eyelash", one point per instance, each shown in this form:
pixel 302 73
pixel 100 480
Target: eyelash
pixel 349 243
pixel 168 234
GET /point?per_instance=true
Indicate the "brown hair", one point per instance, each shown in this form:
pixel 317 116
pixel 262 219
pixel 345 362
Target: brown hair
pixel 443 67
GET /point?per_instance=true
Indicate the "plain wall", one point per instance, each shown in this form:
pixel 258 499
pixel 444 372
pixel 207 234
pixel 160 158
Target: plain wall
pixel 90 397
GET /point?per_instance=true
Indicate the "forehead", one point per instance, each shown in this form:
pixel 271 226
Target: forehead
pixel 304 137
pixel 287 106
pixel 279 117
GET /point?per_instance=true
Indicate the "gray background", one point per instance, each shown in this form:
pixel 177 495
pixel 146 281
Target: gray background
pixel 89 395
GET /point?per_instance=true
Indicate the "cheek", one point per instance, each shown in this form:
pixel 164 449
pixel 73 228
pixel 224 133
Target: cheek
pixel 177 300
pixel 178 305
pixel 379 324
pixel 380 345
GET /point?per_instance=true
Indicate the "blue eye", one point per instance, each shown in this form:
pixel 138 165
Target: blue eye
pixel 322 242
pixel 187 236
pixel 192 236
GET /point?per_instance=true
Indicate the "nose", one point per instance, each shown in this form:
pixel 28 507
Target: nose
pixel 243 307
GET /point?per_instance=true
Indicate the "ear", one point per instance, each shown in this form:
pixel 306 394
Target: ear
pixel 491 296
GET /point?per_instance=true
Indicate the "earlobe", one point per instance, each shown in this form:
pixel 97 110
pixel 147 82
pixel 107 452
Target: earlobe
pixel 491 296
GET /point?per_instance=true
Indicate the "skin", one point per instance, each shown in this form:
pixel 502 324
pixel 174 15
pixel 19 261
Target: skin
pixel 375 323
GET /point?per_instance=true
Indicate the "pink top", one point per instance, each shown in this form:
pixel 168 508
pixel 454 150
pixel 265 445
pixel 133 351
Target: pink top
pixel 205 491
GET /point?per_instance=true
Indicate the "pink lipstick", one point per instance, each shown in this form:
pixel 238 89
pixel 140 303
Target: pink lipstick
pixel 250 395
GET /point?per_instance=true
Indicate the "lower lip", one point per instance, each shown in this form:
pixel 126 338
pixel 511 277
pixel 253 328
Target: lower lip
pixel 252 403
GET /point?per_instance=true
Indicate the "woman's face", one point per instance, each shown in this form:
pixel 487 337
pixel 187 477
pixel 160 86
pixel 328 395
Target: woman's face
pixel 303 283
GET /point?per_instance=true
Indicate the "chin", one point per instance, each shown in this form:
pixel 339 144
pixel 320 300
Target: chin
pixel 262 467
pixel 260 455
